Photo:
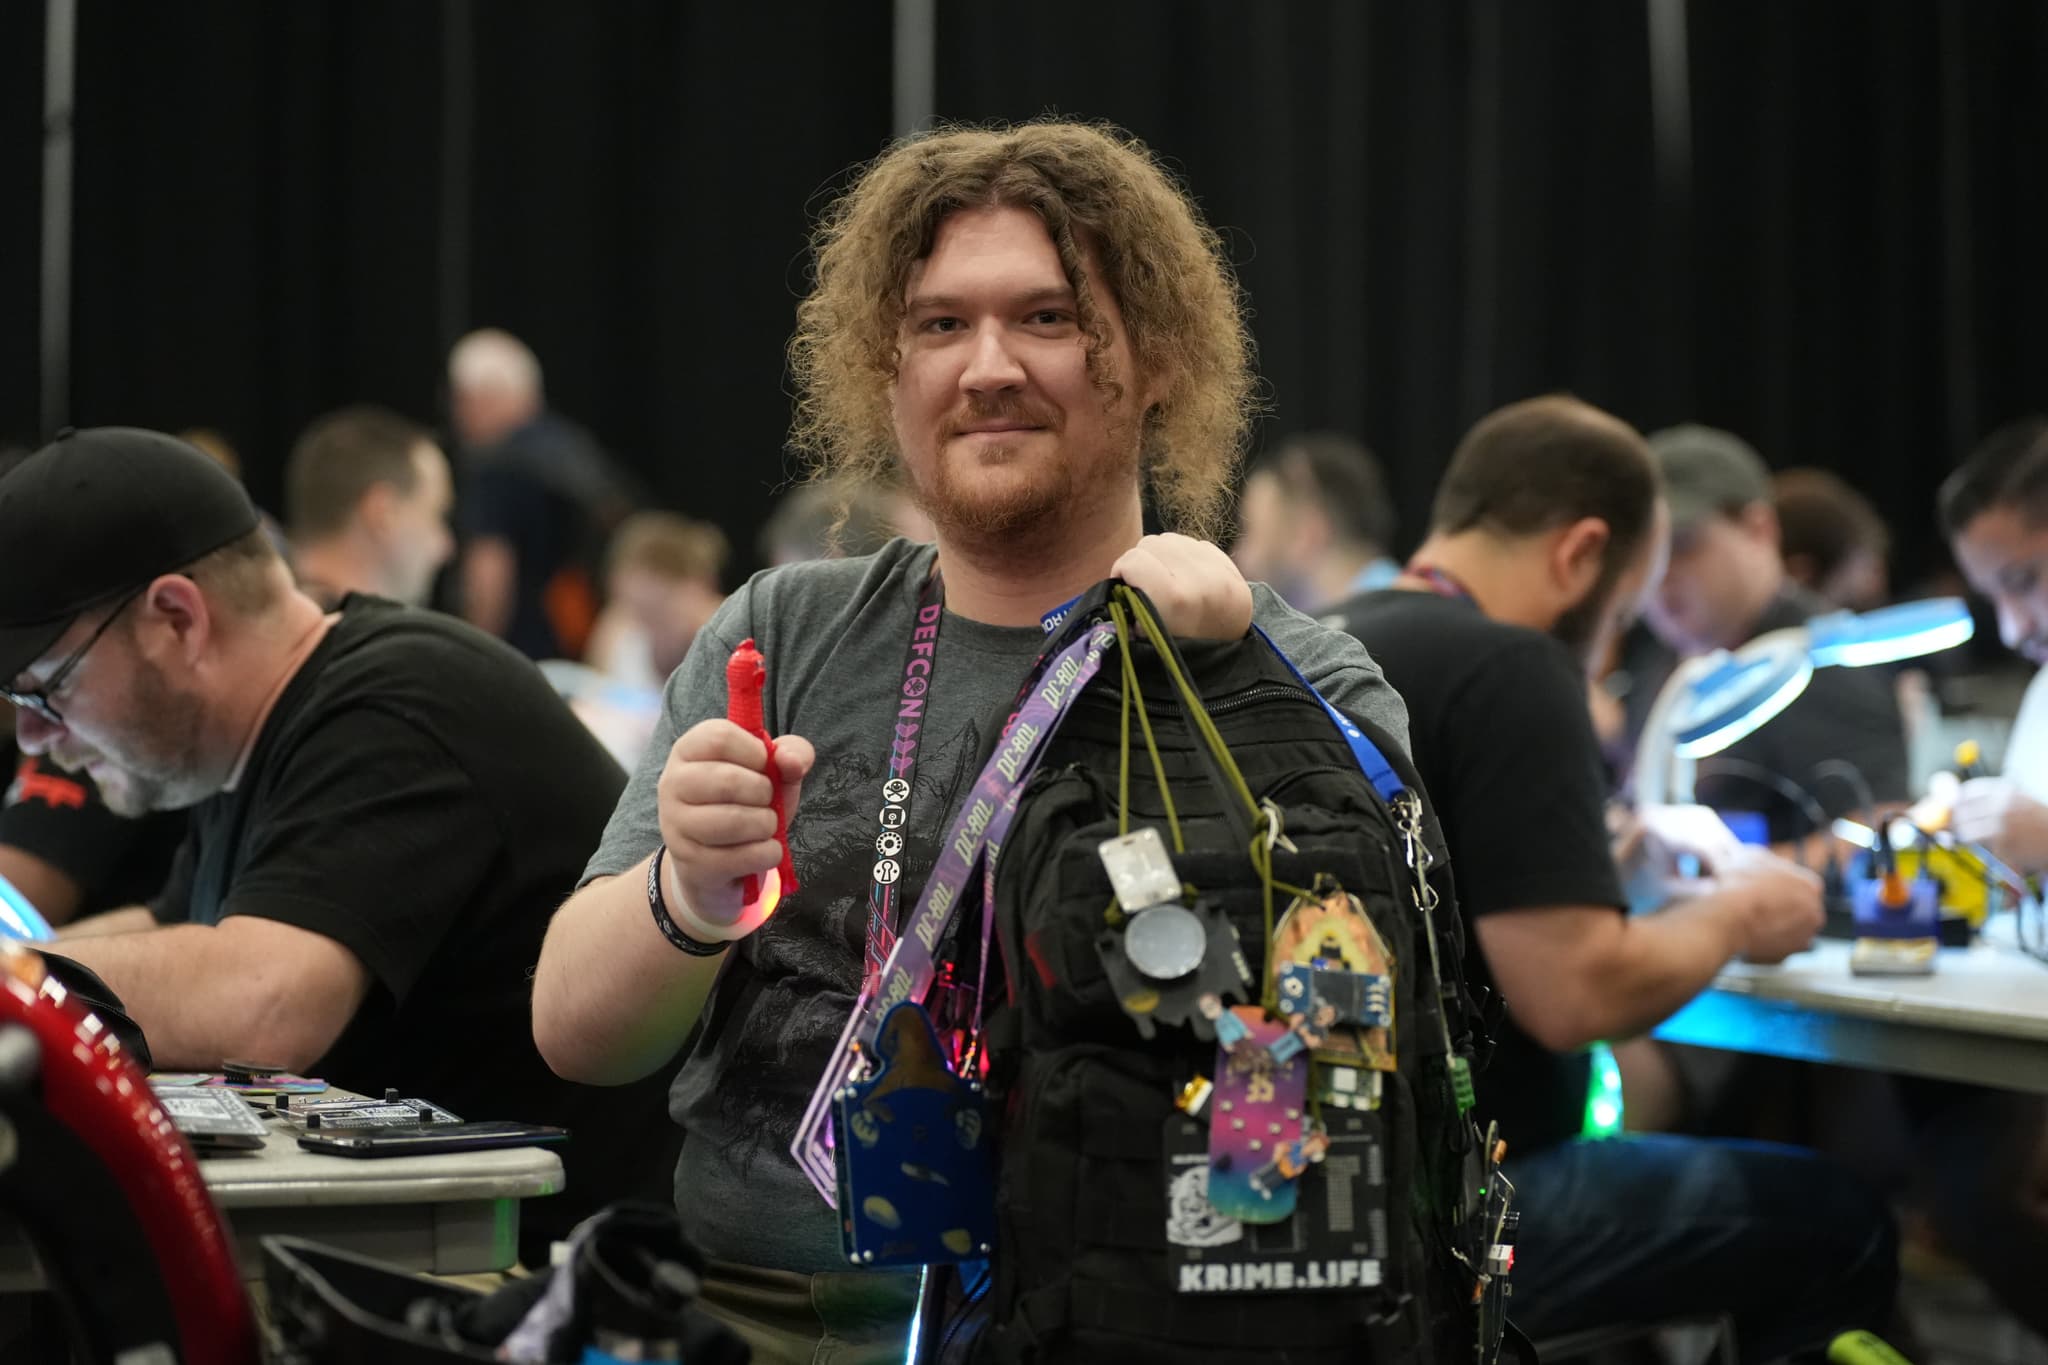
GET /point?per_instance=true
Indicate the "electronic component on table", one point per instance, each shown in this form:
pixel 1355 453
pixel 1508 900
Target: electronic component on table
pixel 211 1118
pixel 1898 920
pixel 259 1080
pixel 389 1112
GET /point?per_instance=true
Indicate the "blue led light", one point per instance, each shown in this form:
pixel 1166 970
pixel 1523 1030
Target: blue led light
pixel 1741 693
pixel 1713 739
pixel 1889 634
pixel 1712 701
pixel 18 919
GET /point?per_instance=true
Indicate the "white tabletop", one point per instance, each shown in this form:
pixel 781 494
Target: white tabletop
pixel 285 1175
pixel 1982 1016
pixel 452 1213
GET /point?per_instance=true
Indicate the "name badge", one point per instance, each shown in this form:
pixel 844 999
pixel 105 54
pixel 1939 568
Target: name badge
pixel 912 1147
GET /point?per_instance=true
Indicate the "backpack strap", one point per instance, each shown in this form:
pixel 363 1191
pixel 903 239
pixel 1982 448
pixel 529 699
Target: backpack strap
pixel 1371 761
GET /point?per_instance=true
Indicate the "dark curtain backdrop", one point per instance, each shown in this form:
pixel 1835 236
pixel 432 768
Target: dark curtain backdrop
pixel 21 171
pixel 263 199
pixel 1435 208
pixel 1438 208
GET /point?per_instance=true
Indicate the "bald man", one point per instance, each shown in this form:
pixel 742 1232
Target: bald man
pixel 539 496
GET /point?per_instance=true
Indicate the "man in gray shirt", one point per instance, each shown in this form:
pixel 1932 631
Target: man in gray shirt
pixel 1021 325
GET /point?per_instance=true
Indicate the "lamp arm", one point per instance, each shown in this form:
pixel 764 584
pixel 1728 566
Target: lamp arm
pixel 1659 776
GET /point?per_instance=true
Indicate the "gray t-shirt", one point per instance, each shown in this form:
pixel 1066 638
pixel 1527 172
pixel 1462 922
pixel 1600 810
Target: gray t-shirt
pixel 834 634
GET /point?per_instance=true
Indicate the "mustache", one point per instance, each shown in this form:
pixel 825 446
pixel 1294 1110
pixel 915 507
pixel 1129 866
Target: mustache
pixel 980 411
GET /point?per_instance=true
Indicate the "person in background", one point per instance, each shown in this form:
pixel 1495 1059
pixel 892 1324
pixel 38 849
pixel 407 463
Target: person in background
pixel 662 586
pixel 1995 511
pixel 538 499
pixel 830 520
pixel 1547 536
pixel 1983 1165
pixel 367 500
pixel 1065 334
pixel 1315 521
pixel 1832 540
pixel 1726 585
pixel 662 582
pixel 387 805
pixel 214 444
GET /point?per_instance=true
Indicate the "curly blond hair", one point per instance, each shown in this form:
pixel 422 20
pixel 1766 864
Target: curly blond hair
pixel 1096 189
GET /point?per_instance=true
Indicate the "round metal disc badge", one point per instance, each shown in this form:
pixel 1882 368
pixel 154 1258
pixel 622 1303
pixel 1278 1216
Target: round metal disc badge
pixel 1165 942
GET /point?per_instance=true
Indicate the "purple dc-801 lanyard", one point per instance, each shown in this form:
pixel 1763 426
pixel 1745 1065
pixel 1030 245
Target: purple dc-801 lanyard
pixel 971 845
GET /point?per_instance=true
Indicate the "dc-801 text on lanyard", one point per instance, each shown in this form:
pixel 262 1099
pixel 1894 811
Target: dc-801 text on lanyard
pixel 896 1137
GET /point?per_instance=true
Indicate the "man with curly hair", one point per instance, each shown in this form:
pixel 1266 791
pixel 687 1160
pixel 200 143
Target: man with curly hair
pixel 1024 327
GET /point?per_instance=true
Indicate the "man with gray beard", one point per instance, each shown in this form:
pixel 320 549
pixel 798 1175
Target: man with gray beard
pixel 386 804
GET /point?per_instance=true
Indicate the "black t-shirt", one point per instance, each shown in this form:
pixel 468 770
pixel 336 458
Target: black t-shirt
pixel 58 816
pixel 541 526
pixel 550 491
pixel 420 795
pixel 1846 714
pixel 1500 731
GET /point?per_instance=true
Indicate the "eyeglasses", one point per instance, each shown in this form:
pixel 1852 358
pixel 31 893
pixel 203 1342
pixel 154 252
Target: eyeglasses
pixel 37 699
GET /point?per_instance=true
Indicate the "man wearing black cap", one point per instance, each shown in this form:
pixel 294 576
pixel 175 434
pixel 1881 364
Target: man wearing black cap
pixel 61 849
pixel 388 805
pixel 1726 585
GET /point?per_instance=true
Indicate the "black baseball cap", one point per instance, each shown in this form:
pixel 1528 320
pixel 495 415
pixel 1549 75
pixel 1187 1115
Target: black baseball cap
pixel 97 514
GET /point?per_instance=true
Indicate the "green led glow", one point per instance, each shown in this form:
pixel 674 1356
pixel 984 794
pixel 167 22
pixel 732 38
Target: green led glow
pixel 1603 1095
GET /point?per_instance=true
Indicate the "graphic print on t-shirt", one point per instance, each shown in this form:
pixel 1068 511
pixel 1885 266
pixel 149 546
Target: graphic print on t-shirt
pixel 820 934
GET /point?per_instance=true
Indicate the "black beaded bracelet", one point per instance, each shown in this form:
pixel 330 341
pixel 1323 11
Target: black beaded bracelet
pixel 670 930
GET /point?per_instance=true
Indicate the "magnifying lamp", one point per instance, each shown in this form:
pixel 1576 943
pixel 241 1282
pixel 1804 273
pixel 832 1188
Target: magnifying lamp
pixel 1714 700
pixel 19 919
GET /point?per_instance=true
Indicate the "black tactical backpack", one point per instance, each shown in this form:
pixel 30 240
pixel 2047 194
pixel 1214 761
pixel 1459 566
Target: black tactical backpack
pixel 1107 1249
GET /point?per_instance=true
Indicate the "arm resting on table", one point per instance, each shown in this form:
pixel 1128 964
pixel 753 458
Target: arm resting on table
pixel 204 993
pixel 1574 975
pixel 129 919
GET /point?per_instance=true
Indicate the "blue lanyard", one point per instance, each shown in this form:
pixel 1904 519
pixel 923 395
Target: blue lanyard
pixel 1057 617
pixel 1371 761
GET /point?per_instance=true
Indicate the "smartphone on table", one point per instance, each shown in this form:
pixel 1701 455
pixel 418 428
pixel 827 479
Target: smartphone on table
pixel 430 1138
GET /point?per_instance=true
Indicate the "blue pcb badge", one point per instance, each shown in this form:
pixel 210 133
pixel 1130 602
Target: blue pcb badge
pixel 911 1142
